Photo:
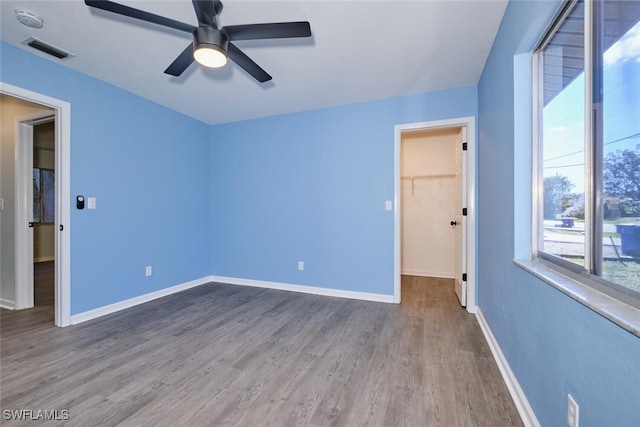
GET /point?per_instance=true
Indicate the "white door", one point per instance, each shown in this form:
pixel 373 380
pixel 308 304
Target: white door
pixel 24 213
pixel 460 221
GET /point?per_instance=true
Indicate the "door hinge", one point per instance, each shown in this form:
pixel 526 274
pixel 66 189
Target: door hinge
pixel 464 277
pixel 464 211
pixel 464 146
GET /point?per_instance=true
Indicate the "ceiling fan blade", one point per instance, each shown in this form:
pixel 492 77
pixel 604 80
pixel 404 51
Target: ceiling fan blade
pixel 206 12
pixel 181 63
pixel 247 64
pixel 276 30
pixel 121 9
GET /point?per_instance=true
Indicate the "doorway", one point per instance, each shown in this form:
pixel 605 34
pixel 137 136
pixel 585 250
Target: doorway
pixel 34 198
pixel 17 203
pixel 434 223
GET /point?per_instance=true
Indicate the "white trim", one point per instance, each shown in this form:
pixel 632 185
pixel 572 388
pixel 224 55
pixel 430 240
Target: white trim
pixel 339 293
pixel 519 398
pixel 470 123
pixel 397 217
pixel 121 305
pixel 44 259
pixel 588 143
pixel 422 273
pixel 7 303
pixel 537 191
pixel 62 112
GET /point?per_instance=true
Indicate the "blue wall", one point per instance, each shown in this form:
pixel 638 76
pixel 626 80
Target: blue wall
pixel 246 200
pixel 311 187
pixel 148 168
pixel 554 345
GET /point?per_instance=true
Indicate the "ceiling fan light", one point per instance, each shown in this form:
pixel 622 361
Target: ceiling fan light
pixel 210 56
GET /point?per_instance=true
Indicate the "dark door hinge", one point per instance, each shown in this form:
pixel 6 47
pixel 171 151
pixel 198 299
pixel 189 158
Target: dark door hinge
pixel 464 146
pixel 464 277
pixel 464 211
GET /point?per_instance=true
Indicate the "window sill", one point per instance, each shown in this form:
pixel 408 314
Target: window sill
pixel 623 315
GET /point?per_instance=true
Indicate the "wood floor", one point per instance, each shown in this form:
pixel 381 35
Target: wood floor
pixel 224 355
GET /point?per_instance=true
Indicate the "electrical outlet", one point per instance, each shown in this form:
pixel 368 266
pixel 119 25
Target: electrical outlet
pixel 149 271
pixel 573 412
pixel 300 265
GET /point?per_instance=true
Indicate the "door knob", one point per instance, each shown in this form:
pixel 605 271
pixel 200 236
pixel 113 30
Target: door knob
pixel 454 223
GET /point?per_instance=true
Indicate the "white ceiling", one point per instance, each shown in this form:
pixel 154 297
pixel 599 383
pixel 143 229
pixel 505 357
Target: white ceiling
pixel 359 51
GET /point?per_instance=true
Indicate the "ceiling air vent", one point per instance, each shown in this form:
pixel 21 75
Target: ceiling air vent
pixel 46 48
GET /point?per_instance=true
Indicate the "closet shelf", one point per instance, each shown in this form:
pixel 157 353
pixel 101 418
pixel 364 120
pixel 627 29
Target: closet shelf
pixel 412 177
pixel 435 176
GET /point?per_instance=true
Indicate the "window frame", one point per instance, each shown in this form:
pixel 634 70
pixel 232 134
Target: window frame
pixel 589 274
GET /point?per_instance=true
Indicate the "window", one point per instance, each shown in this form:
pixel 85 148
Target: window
pixel 588 160
pixel 43 196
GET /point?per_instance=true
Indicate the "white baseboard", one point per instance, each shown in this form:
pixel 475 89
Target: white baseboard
pixel 8 304
pixel 304 289
pixel 44 259
pixel 522 404
pixel 112 308
pixel 422 273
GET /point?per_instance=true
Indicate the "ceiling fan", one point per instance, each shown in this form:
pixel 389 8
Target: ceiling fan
pixel 213 44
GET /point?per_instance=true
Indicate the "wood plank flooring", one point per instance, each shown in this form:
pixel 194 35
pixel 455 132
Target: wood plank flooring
pixel 224 355
pixel 42 315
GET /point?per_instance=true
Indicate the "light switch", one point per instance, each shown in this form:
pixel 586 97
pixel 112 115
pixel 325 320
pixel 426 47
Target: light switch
pixel 388 205
pixel 91 203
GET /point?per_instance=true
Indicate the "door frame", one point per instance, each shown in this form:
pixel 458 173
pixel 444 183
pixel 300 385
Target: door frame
pixel 62 245
pixel 470 124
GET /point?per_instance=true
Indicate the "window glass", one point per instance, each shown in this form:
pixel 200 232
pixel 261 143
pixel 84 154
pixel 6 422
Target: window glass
pixel 43 195
pixel 563 154
pixel 37 201
pixel 617 65
pixel 48 195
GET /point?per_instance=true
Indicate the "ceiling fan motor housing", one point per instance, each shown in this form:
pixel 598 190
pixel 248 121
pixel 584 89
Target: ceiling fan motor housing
pixel 208 36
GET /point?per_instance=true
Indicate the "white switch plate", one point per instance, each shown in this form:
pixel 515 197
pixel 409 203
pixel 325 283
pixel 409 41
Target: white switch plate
pixel 91 201
pixel 149 271
pixel 300 265
pixel 388 205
